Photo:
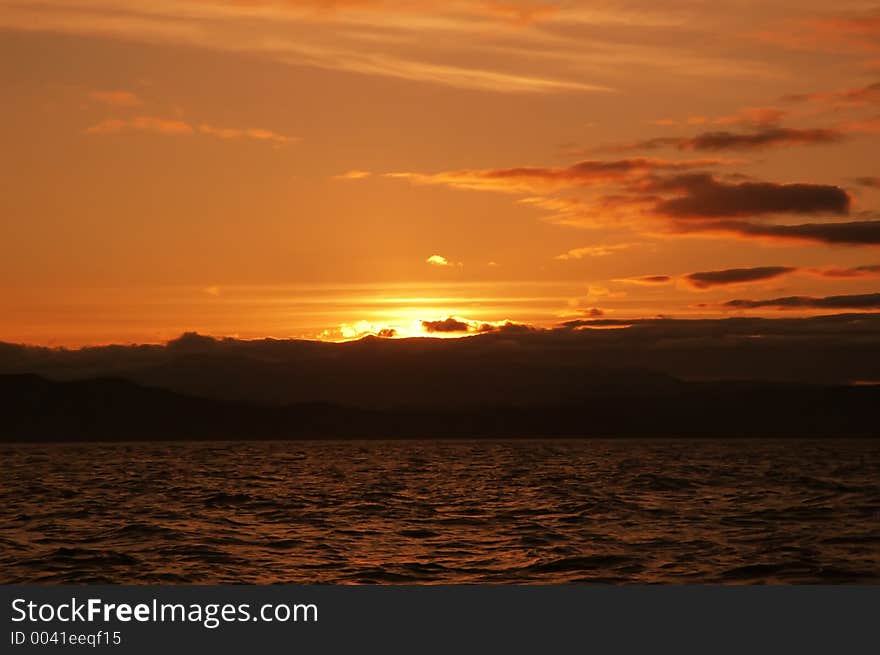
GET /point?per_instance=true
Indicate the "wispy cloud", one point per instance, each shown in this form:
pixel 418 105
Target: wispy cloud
pixel 257 134
pixel 492 45
pixel 854 233
pixel 144 124
pixel 176 127
pixel 353 175
pixel 598 250
pixel 749 116
pixel 853 96
pixel 537 178
pixel 647 280
pixel 731 276
pixel 703 280
pixel 869 181
pixel 715 141
pixel 860 301
pixel 867 271
pixel 855 33
pixel 667 198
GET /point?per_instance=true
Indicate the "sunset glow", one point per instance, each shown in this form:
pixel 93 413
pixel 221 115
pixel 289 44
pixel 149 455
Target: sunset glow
pixel 336 170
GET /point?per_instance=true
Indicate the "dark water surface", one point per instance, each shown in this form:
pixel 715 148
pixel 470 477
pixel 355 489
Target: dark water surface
pixel 447 512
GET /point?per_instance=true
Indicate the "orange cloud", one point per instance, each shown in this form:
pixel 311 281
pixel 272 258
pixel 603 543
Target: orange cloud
pixel 249 133
pixel 761 116
pixel 861 95
pixel 847 34
pixel 868 271
pixel 352 175
pixel 646 194
pixel 647 280
pixel 142 123
pixel 530 178
pixel 766 137
pixel 177 127
pixel 600 250
pixel 865 126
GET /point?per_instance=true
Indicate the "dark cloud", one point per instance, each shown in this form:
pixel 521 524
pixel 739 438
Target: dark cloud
pixel 593 169
pixel 707 279
pixel 452 325
pixel 872 270
pixel 193 342
pixel 583 173
pixel 446 325
pixel 857 95
pixel 387 333
pixel 857 233
pixel 871 182
pixel 704 196
pixel 859 301
pixel 508 327
pixel 766 138
pixel 724 140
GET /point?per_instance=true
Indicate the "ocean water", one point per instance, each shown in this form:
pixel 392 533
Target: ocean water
pixel 345 512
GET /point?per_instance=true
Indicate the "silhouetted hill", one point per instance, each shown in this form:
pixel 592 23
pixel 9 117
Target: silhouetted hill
pixel 513 368
pixel 35 409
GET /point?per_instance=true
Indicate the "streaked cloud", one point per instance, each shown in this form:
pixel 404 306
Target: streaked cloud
pixel 352 175
pixel 703 280
pixel 768 137
pixel 865 301
pixel 492 46
pixel 730 276
pixel 867 271
pixel 871 182
pixel 173 126
pixel 647 280
pixel 143 124
pixel 664 197
pixel 257 134
pixel 749 116
pixel 854 96
pixel 332 35
pixel 854 33
pixel 537 178
pixel 598 250
pixel 854 233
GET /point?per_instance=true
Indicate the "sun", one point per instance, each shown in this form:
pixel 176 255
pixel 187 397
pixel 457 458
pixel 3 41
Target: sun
pixel 413 323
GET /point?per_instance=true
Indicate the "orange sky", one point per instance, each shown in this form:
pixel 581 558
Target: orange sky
pixel 328 169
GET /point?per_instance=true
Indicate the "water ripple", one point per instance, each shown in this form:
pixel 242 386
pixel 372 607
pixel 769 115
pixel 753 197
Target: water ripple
pixel 442 512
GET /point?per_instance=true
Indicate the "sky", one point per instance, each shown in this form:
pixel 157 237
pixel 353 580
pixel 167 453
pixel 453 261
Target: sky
pixel 328 169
